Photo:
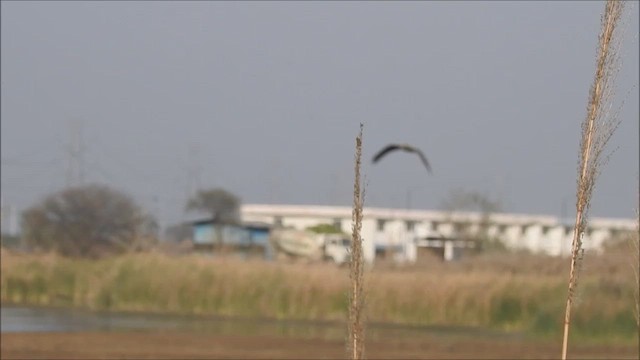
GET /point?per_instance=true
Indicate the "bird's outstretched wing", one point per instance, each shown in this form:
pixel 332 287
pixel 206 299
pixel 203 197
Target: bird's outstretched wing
pixel 387 149
pixel 391 147
pixel 422 157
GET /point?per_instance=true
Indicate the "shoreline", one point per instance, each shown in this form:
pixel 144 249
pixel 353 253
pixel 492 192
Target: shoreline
pixel 260 319
pixel 192 345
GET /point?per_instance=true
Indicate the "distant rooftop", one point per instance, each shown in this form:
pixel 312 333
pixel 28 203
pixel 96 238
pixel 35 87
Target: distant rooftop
pixel 423 215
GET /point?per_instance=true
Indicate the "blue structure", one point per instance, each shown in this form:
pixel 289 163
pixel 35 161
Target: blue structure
pixel 246 237
pixel 258 233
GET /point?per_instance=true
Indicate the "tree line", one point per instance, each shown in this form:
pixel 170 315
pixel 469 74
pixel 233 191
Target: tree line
pixel 96 220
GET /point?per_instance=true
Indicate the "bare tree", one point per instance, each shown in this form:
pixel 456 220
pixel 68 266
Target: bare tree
pixel 91 220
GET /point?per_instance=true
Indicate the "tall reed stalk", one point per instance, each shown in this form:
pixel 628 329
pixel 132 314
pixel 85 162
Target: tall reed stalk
pixel 635 241
pixel 597 128
pixel 355 346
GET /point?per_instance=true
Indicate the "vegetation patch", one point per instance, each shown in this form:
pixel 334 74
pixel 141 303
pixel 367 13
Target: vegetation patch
pixel 442 294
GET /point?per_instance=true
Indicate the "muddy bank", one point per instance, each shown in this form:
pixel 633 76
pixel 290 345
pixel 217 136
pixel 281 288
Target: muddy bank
pixel 190 345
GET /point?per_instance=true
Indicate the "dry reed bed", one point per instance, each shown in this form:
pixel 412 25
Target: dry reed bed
pixel 442 294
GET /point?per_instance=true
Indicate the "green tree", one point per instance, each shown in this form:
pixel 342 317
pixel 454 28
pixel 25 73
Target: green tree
pixel 325 229
pixel 221 205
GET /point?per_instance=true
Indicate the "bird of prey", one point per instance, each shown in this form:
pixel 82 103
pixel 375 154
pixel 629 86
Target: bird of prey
pixel 408 148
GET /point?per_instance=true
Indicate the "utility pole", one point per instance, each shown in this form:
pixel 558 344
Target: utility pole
pixel 194 170
pixel 75 154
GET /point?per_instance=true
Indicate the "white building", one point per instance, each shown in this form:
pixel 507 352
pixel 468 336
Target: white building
pixel 401 230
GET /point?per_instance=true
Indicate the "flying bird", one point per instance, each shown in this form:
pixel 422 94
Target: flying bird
pixel 405 147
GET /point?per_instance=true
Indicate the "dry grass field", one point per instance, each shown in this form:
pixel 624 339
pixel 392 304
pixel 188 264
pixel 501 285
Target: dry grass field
pixel 503 292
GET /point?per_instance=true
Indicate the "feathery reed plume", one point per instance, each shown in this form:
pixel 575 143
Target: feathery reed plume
pixel 635 241
pixel 634 244
pixel 355 346
pixel 597 128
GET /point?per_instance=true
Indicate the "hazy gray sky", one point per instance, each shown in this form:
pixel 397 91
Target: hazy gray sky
pixel 268 97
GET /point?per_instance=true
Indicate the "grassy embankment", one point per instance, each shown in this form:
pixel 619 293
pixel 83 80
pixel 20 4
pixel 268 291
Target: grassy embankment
pixel 508 292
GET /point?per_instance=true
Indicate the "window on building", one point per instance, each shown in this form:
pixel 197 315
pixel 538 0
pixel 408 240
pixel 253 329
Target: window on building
pixel 545 230
pixel 523 229
pixel 568 230
pixel 411 225
pixel 381 223
pixel 277 221
pixel 460 228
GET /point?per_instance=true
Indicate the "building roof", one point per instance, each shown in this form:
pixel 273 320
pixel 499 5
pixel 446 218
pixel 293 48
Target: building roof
pixel 244 224
pixel 424 215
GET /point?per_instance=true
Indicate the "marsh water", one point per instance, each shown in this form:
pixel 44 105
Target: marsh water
pixel 42 319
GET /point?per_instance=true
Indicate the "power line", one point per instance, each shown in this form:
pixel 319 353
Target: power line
pixel 14 162
pixel 33 151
